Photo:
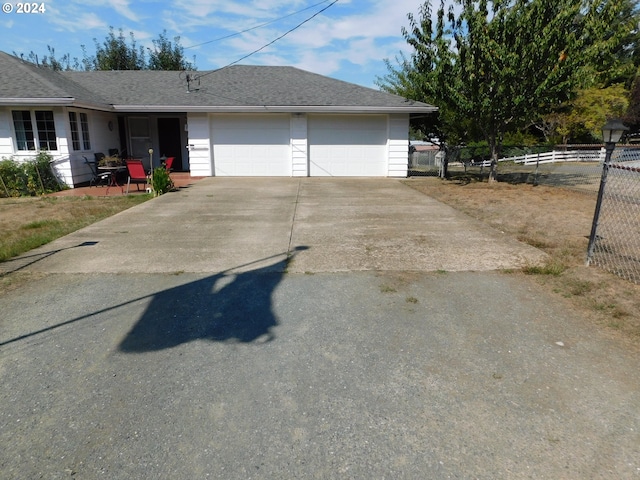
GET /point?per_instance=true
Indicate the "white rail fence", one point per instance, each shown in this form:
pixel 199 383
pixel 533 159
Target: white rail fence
pixel 628 156
pixel 570 162
pixel 557 156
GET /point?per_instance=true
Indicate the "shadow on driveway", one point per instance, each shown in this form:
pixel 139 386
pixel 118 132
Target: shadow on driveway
pixel 223 307
pixel 226 306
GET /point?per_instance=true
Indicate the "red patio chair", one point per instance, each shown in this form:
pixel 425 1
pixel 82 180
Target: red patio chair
pixel 137 174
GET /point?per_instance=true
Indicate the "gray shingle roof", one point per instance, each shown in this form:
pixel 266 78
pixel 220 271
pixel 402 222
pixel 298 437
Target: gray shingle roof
pixel 235 88
pixel 25 82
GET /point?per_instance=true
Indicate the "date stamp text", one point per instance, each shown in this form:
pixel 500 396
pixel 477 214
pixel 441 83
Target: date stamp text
pixel 26 7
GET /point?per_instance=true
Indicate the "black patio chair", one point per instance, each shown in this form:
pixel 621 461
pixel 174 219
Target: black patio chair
pixel 97 177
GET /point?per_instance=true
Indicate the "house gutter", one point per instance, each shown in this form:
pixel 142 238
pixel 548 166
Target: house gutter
pixel 53 102
pixel 71 102
pixel 274 109
pixel 37 101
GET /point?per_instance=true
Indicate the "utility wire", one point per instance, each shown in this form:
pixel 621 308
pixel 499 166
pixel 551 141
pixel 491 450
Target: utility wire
pixel 256 27
pixel 268 44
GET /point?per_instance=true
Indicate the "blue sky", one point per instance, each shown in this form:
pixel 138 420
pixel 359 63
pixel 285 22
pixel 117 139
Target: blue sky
pixel 348 41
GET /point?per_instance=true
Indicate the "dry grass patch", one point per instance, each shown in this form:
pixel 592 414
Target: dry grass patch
pixel 557 221
pixel 27 223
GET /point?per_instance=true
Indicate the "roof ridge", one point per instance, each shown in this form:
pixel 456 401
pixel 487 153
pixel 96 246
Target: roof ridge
pixel 237 88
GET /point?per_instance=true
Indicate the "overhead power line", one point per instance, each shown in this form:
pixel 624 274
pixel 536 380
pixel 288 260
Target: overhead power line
pixel 266 45
pixel 257 26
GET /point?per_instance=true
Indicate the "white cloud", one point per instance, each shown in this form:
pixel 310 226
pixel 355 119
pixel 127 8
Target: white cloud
pixel 345 36
pixel 122 7
pixel 363 32
pixel 78 23
pixel 351 36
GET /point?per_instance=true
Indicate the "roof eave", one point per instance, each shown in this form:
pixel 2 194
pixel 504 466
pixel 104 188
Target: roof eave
pixel 412 109
pixel 53 102
pixel 37 101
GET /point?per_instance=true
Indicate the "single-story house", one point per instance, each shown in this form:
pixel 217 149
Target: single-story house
pixel 235 121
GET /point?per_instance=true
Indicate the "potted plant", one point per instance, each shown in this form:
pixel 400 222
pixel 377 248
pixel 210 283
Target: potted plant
pixel 113 161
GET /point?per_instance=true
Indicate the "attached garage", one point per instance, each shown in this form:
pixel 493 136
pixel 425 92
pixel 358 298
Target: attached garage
pixel 251 145
pixel 348 145
pixel 241 120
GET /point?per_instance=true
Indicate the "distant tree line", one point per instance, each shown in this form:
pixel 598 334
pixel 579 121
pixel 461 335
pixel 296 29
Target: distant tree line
pixel 521 70
pixel 117 52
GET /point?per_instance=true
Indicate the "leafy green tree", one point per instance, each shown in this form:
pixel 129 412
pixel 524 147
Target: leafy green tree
pixel 167 55
pixel 582 121
pixel 51 61
pixel 495 66
pixel 612 43
pixel 632 116
pixel 428 75
pixel 116 54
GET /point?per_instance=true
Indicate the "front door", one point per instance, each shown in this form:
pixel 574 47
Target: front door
pixel 170 141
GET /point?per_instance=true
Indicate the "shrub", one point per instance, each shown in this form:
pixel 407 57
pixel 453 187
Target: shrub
pixel 31 177
pixel 13 179
pixel 161 181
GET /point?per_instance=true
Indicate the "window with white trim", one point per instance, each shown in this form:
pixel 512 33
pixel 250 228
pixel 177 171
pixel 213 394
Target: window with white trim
pixel 84 127
pixel 24 130
pixel 75 132
pixel 44 135
pixel 79 123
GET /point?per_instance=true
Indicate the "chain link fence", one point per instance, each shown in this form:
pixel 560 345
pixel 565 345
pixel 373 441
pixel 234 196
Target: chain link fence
pixel 616 236
pixel 616 246
pixel 426 162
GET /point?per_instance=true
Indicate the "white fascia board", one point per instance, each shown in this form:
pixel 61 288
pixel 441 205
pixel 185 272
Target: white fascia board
pixel 273 108
pixel 52 102
pixel 37 101
pixel 90 106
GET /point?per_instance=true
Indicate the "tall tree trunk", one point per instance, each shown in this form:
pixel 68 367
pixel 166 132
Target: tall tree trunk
pixel 495 150
pixel 444 167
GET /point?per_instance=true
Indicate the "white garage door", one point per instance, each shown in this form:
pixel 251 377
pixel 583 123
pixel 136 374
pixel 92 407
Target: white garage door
pixel 251 145
pixel 348 145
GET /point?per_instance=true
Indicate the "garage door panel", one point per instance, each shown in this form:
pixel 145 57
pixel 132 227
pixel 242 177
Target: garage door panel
pixel 351 145
pixel 245 145
pixel 351 137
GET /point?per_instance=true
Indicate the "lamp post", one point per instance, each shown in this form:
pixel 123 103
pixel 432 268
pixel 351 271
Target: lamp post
pixel 151 169
pixel 612 132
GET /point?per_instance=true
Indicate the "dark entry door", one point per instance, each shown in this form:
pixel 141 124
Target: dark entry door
pixel 170 140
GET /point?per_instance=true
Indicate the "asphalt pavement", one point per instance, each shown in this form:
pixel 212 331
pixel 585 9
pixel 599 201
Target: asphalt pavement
pixel 304 328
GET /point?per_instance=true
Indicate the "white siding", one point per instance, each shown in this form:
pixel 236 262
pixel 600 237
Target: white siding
pixel 68 164
pixel 101 137
pixel 60 156
pixel 200 145
pixel 398 145
pixel 6 134
pixel 299 145
pixel 62 162
pixel 7 146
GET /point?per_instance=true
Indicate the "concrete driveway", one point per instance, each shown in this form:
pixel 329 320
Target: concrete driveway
pixel 286 328
pixel 221 224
